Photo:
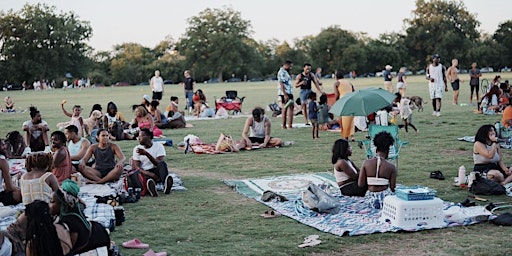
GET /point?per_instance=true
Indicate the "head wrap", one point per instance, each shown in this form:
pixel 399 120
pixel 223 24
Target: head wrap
pixel 70 187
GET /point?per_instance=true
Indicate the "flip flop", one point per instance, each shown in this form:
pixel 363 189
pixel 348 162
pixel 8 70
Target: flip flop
pixel 135 244
pixel 310 241
pixel 270 214
pixel 153 253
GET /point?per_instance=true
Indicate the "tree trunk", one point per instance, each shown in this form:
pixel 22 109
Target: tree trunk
pixel 220 77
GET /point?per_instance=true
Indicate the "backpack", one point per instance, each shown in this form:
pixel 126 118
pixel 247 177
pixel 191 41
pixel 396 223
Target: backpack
pixel 135 180
pixel 482 186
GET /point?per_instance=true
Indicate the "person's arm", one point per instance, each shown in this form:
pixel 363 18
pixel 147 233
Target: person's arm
pixel 361 182
pixel 87 155
pixel 428 74
pixel 4 167
pixel 317 83
pixel 64 110
pixel 119 154
pixel 392 178
pixel 152 159
pixel 58 157
pixel 151 122
pixel 267 133
pixel 158 116
pixel 449 74
pixel 336 92
pixel 52 182
pixel 152 83
pixel 444 79
pixel 247 125
pixel 481 149
pixel 298 81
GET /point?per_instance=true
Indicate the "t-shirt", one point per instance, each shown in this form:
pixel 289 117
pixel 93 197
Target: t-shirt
pixel 473 73
pixel 189 83
pixel 36 133
pixel 158 84
pixel 156 150
pixel 387 75
pixel 284 77
pixel 312 110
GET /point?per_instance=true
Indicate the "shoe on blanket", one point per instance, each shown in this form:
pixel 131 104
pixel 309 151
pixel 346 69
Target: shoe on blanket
pixel 135 244
pixel 151 185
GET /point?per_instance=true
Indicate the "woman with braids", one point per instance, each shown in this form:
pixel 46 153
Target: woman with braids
pixel 377 173
pixel 36 131
pixel 69 209
pixel 15 145
pixel 43 237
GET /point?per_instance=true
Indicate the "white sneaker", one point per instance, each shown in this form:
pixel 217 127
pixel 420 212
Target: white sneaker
pixel 434 113
pixel 288 143
pixel 438 114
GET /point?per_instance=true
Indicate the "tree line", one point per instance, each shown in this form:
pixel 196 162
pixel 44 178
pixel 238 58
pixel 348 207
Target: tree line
pixel 38 42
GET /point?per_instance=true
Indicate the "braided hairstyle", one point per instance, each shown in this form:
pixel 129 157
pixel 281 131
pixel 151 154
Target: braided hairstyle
pixel 33 111
pixel 40 161
pixel 41 235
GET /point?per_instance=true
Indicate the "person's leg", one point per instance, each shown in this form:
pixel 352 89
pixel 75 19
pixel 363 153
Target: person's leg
pixel 290 112
pixel 112 175
pixel 313 131
pixel 406 124
pixel 434 107
pixel 273 142
pixel 316 129
pixel 438 102
pixel 456 97
pixel 162 170
pixel 471 88
pixel 305 111
pixel 90 173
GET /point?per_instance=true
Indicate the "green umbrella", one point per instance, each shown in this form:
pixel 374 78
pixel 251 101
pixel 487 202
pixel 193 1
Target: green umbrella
pixel 362 102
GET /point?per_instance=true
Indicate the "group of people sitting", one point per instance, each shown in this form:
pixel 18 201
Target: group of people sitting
pixel 497 98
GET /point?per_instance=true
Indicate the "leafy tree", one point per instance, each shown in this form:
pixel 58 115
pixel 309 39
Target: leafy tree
pixel 131 63
pixel 443 27
pixel 216 42
pixel 503 36
pixel 38 43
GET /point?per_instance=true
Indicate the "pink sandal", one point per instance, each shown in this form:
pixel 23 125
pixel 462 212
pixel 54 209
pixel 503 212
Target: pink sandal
pixel 135 244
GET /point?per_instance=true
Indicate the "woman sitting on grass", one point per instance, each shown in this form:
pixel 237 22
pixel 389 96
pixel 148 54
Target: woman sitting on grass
pixel 345 171
pixel 490 101
pixel 487 156
pixel 377 173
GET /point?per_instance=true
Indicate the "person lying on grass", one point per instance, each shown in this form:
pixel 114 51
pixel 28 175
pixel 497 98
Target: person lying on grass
pixel 487 156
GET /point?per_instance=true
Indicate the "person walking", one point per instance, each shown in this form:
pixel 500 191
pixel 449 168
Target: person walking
pixel 387 78
pixel 303 82
pixel 436 76
pixel 188 85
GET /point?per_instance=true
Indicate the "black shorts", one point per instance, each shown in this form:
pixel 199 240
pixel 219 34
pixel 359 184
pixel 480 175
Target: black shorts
pixel 290 97
pixel 352 189
pixel 6 198
pixel 104 171
pixel 157 95
pixel 257 140
pixel 455 85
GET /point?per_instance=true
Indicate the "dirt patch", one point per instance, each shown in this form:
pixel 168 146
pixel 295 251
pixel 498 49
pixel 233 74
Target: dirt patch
pixel 204 174
pixel 456 152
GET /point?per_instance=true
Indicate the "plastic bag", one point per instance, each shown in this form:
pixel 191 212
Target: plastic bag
pixel 318 200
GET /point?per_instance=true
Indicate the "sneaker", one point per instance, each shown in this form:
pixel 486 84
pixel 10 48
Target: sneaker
pixel 434 113
pixel 438 114
pixel 151 185
pixel 168 184
pixel 288 143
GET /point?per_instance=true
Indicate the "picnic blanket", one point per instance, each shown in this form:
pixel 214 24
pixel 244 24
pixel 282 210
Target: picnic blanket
pixel 354 218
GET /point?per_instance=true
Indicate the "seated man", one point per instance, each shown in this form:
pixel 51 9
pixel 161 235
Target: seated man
pixel 9 194
pixel 77 146
pixel 36 132
pixel 149 159
pixel 259 126
pixel 106 168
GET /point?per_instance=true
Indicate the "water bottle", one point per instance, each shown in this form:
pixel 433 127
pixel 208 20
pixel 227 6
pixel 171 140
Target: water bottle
pixel 472 177
pixel 462 175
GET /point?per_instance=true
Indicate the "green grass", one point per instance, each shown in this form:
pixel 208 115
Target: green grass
pixel 211 219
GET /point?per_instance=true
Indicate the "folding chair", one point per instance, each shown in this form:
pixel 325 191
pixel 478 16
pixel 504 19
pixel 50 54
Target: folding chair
pixel 394 150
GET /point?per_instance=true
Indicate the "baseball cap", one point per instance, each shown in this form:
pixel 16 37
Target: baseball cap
pixel 436 56
pixel 389 67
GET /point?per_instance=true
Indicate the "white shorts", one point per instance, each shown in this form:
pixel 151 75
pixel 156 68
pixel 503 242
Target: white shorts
pixel 400 85
pixel 435 91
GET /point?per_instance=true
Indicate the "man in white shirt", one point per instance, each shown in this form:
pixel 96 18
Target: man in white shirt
pixel 77 146
pixel 149 159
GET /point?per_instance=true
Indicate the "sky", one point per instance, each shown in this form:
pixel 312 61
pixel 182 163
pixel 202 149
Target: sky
pixel 151 21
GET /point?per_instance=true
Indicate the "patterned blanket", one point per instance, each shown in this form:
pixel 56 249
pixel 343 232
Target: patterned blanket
pixel 355 216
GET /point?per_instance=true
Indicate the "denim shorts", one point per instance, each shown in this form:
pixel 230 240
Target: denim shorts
pixel 304 93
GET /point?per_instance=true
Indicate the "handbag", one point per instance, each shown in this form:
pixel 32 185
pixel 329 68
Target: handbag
pixel 318 200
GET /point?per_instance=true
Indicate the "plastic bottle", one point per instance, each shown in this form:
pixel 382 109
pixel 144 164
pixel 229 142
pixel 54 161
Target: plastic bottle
pixel 462 175
pixel 472 177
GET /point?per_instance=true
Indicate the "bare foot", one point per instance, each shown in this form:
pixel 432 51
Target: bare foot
pixel 284 127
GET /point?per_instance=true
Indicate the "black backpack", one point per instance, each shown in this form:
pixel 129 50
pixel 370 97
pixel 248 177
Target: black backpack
pixel 482 186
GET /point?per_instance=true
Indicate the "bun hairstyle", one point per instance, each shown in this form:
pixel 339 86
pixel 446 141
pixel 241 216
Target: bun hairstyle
pixel 41 161
pixel 33 111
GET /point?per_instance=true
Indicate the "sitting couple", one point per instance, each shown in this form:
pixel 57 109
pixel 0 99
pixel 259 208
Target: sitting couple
pixel 377 177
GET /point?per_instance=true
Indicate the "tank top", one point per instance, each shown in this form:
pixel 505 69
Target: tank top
pixel 74 148
pixel 63 171
pixel 307 78
pixel 376 181
pixel 75 120
pixel 436 72
pixel 105 158
pixel 342 176
pixel 258 128
pixel 1 177
pixel 35 189
pixel 479 159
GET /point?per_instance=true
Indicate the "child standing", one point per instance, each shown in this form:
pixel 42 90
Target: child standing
pixel 323 113
pixel 405 111
pixel 313 114
pixel 76 118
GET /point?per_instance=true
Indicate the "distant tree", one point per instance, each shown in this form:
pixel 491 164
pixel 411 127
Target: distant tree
pixel 438 26
pixel 131 63
pixel 503 37
pixel 328 48
pixel 215 42
pixel 38 43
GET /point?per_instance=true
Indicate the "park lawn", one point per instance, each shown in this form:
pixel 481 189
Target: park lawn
pixel 212 219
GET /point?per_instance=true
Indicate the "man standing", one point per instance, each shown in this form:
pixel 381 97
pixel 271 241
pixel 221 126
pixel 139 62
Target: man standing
pixel 436 76
pixel 387 78
pixel 106 168
pixel 453 75
pixel 303 82
pixel 285 91
pixel 259 127
pixel 77 146
pixel 188 86
pixel 474 82
pixel 157 86
pixel 36 130
pixel 149 159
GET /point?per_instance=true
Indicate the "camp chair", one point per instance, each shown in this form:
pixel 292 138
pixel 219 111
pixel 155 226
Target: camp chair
pixel 394 150
pixel 230 102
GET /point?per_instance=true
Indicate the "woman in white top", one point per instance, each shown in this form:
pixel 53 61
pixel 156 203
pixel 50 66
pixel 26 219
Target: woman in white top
pixel 345 172
pixel 487 156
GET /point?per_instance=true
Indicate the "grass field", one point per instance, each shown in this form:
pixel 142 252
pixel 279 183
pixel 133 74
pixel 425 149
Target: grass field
pixel 211 219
